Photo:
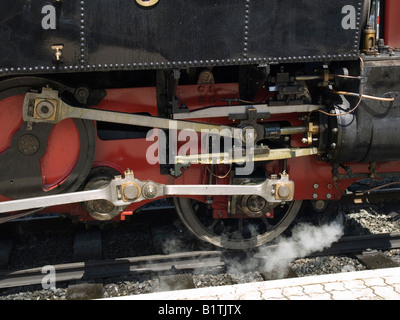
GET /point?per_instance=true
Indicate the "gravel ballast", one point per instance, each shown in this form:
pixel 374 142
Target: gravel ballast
pixel 357 220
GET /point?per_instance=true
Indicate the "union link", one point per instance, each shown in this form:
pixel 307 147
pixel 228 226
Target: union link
pixel 122 191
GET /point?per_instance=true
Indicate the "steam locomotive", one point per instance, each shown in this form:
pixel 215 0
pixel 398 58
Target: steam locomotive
pixel 238 110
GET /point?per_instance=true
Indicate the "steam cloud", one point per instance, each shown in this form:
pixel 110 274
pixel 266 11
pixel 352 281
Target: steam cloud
pixel 305 240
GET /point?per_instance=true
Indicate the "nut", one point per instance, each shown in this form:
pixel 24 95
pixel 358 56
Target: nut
pixel 45 109
pixel 149 191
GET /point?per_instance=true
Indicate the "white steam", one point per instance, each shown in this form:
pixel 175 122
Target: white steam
pixel 305 240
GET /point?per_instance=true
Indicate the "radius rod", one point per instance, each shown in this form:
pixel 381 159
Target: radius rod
pixel 48 107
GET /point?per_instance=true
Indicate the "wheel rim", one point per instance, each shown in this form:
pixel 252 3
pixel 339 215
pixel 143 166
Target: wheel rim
pixel 249 233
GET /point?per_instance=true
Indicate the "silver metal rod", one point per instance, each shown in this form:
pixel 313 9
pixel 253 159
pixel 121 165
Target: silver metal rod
pixel 216 190
pixel 139 120
pixel 63 111
pixel 218 112
pixel 53 200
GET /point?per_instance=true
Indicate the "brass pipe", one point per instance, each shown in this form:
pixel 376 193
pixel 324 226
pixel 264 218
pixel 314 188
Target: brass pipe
pixel 285 131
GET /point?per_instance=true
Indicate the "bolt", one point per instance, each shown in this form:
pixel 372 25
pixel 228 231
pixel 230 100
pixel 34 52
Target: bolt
pixel 150 191
pixel 320 204
pixel 316 186
pixel 315 196
pixel 45 109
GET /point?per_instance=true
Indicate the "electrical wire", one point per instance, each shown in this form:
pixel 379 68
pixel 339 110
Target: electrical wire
pixel 379 187
pixel 361 94
pixel 364 96
pixel 220 177
pixel 359 101
pixel 347 77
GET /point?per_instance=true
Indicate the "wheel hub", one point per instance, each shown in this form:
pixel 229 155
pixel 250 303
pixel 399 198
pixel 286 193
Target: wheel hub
pixel 28 144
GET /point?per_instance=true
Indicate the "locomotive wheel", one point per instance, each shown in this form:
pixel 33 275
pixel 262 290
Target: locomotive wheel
pixel 234 234
pixel 40 159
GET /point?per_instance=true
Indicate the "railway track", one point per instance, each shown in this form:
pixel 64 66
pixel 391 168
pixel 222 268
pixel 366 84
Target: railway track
pixel 95 270
pixel 173 265
pixel 174 270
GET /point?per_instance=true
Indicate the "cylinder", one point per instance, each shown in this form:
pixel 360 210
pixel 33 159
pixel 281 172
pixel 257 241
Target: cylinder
pixel 371 132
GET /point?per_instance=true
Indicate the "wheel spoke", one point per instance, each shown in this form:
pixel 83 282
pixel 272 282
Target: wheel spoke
pixel 240 225
pixel 213 224
pixel 242 234
pixel 266 223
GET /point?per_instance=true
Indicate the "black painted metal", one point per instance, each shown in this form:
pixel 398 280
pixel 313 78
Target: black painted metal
pixel 120 35
pixel 370 134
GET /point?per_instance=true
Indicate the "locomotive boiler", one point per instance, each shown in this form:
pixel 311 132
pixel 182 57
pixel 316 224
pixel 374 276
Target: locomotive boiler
pixel 238 110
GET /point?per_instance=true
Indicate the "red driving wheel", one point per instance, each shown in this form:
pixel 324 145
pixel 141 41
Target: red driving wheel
pixel 39 158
